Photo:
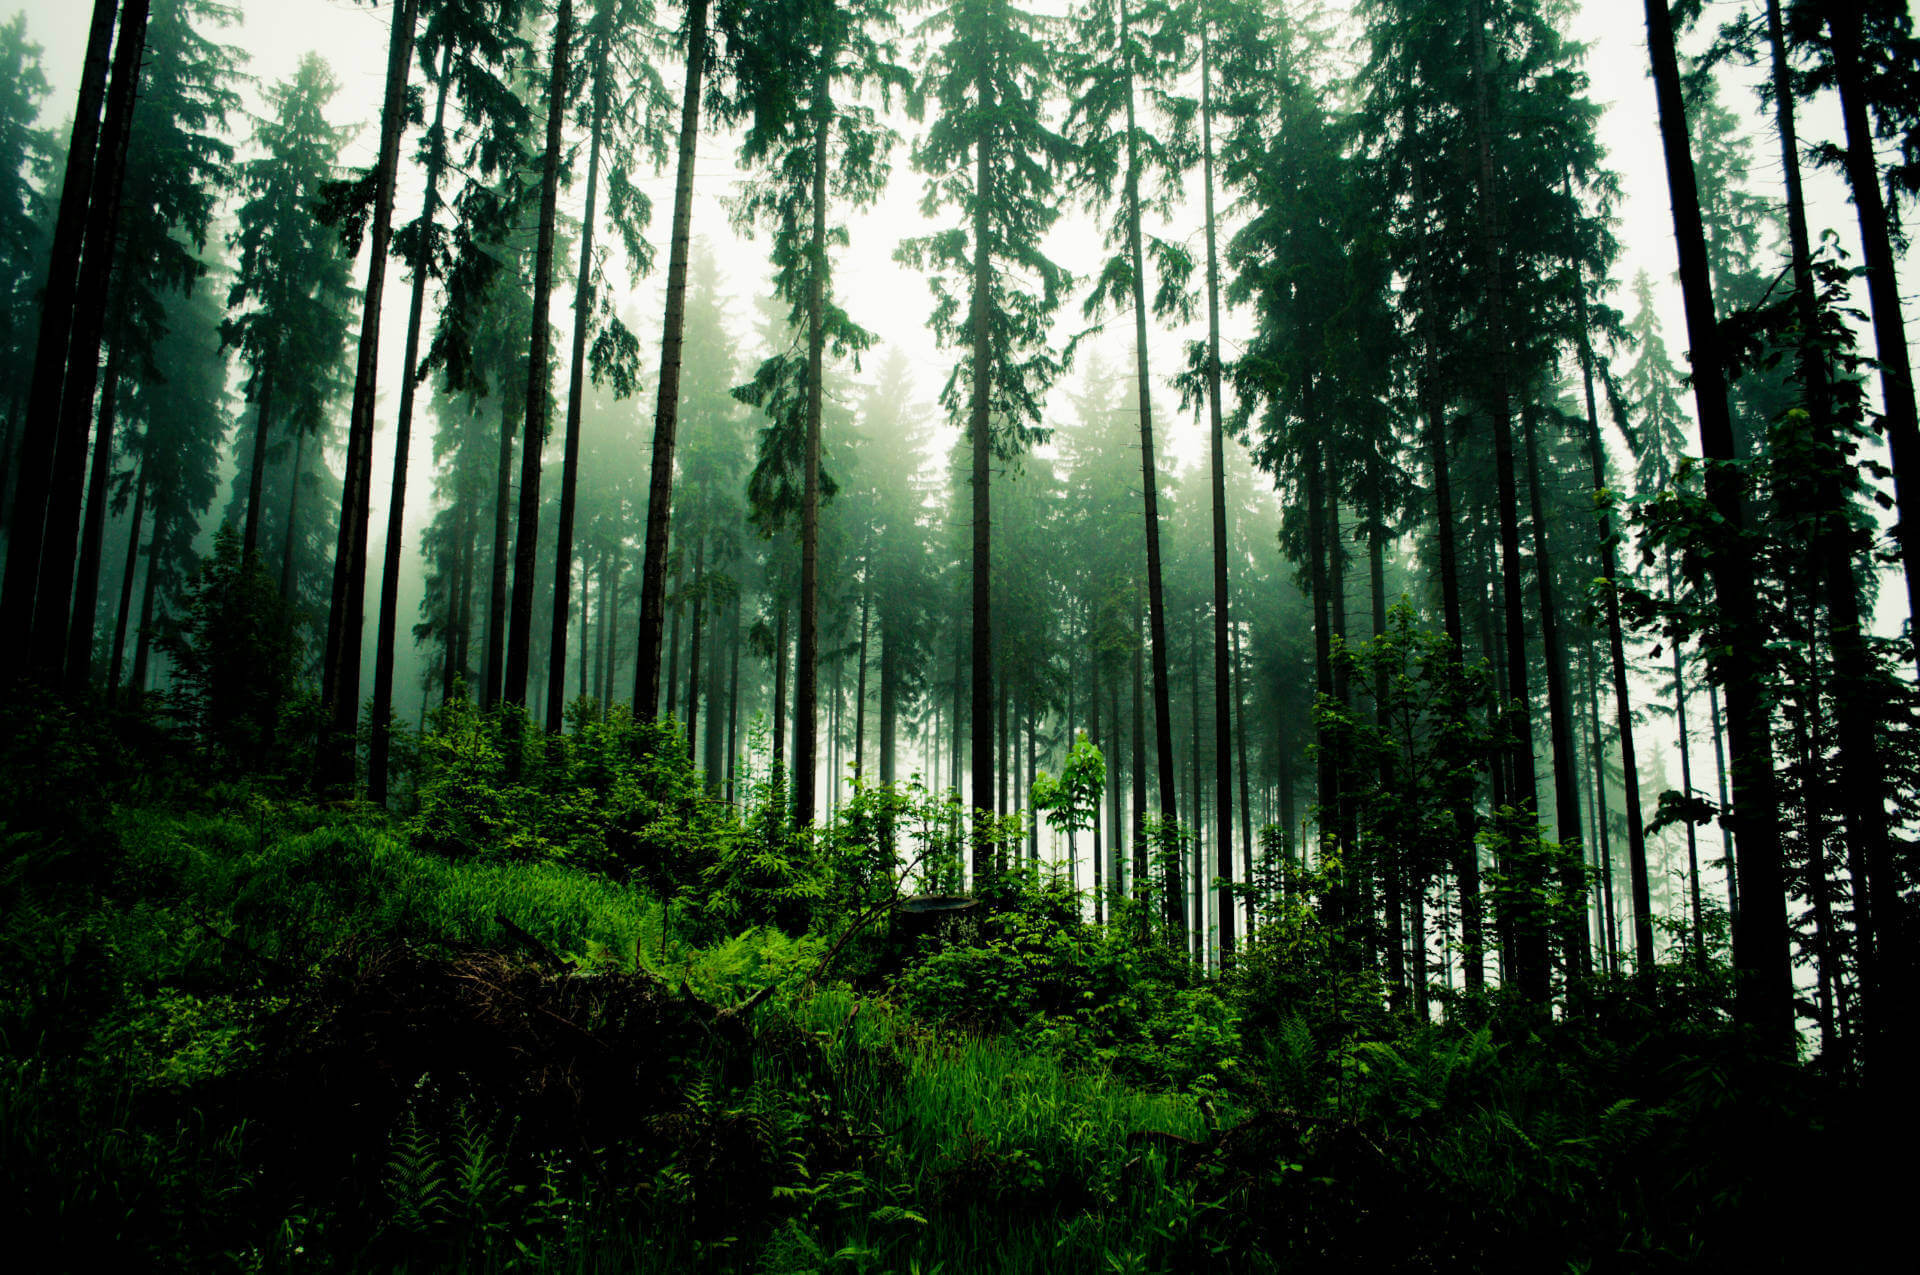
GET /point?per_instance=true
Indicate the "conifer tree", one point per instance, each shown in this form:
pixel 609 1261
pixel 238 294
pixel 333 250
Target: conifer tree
pixel 990 155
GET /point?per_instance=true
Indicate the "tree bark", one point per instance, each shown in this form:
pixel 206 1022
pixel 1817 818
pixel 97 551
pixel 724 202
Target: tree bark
pixel 53 595
pixel 1222 622
pixel 340 690
pixel 126 581
pixel 806 689
pixel 287 541
pixel 257 466
pixel 1640 889
pixel 666 415
pixel 497 564
pixel 379 747
pixel 1150 489
pixel 86 588
pixel 526 545
pixel 1533 974
pixel 583 299
pixel 980 439
pixel 1763 998
pixel 1566 783
pixel 27 516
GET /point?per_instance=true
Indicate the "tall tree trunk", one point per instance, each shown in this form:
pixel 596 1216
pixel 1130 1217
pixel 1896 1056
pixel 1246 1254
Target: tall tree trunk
pixel 340 672
pixel 345 619
pixel 1150 489
pixel 1240 733
pixel 469 556
pixel 980 440
pixel 806 689
pixel 497 564
pixel 1729 852
pixel 288 541
pixel 1763 999
pixel 1534 972
pixel 780 689
pixel 577 379
pixel 1862 801
pixel 27 516
pixel 1222 621
pixel 693 653
pixel 53 595
pixel 673 632
pixel 1566 782
pixel 1099 740
pixel 257 465
pixel 860 691
pixel 526 545
pixel 666 414
pixel 143 636
pixel 86 588
pixel 1639 887
pixel 1137 773
pixel 1389 867
pixel 1327 778
pixel 126 581
pixel 1889 326
pixel 1603 836
pixel 733 703
pixel 586 590
pixel 890 700
pixel 1433 407
pixel 1686 786
pixel 386 632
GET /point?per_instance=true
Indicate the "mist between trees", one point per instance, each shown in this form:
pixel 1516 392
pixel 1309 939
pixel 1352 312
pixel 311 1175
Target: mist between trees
pixel 1501 668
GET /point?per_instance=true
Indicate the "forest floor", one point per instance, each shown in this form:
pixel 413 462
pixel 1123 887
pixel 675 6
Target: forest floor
pixel 243 1031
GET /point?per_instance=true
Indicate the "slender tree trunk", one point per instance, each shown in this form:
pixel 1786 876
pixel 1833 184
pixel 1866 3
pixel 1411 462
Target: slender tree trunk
pixel 666 415
pixel 980 440
pixel 693 654
pixel 257 465
pixel 143 637
pixel 1534 972
pixel 1433 408
pixel 780 690
pixel 1327 779
pixel 86 589
pixel 1240 736
pixel 27 516
pixel 497 583
pixel 1686 786
pixel 1566 783
pixel 386 634
pixel 126 581
pixel 733 704
pixel 1150 488
pixel 890 701
pixel 1098 738
pixel 289 541
pixel 860 690
pixel 53 595
pixel 1762 968
pixel 1640 889
pixel 586 583
pixel 1603 836
pixel 673 632
pixel 526 546
pixel 1222 621
pixel 1729 848
pixel 1137 774
pixel 1883 292
pixel 1862 801
pixel 340 672
pixel 806 690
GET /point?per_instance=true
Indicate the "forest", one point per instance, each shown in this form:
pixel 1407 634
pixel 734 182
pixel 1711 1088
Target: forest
pixel 1001 635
